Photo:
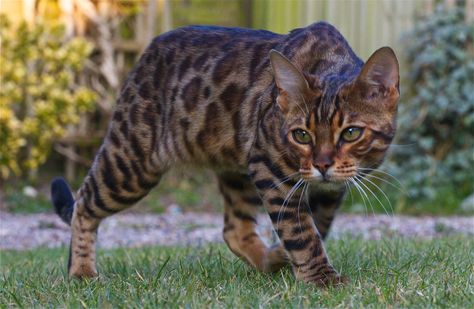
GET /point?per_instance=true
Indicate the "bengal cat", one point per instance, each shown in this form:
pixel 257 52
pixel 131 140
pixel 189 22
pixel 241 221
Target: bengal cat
pixel 285 121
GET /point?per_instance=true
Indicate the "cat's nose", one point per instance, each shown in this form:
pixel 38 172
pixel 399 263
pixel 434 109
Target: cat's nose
pixel 323 164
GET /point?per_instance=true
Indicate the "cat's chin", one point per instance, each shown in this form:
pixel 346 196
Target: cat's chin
pixel 326 185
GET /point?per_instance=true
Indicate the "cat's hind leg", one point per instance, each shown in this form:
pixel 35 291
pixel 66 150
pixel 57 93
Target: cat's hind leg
pixel 123 172
pixel 241 204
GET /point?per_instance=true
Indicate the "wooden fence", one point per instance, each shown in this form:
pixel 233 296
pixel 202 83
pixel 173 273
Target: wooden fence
pixel 366 24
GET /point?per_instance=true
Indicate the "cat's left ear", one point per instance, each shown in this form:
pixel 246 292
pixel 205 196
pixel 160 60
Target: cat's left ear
pixel 379 78
pixel 291 83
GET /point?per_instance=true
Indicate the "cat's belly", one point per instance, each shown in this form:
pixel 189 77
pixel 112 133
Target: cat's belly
pixel 218 152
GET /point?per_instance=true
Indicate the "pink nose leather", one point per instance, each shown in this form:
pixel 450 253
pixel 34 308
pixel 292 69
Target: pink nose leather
pixel 323 163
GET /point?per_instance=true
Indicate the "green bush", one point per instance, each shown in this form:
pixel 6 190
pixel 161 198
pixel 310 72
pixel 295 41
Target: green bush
pixel 437 115
pixel 40 94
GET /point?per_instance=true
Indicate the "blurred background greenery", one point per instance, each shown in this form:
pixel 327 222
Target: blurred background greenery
pixel 62 63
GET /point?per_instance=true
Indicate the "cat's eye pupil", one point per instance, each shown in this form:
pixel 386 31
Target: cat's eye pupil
pixel 351 134
pixel 301 136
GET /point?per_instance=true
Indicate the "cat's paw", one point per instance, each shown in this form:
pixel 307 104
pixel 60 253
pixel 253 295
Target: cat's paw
pixel 330 280
pixel 82 272
pixel 275 259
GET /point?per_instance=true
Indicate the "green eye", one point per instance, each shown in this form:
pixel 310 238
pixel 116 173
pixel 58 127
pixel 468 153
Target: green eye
pixel 351 134
pixel 301 136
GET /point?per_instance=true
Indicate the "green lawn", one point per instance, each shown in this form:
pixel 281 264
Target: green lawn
pixel 388 273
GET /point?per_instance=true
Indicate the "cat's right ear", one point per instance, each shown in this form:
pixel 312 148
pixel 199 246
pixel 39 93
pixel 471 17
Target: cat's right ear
pixel 290 81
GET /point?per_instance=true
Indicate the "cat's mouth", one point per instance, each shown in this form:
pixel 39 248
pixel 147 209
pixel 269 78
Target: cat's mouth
pixel 315 176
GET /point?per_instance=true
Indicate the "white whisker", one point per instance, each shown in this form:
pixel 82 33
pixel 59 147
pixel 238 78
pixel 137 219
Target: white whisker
pixel 403 145
pixel 299 203
pixel 381 204
pixel 359 189
pixel 346 183
pixel 305 104
pixel 366 195
pixel 383 172
pixel 401 189
pixel 288 197
pixel 285 180
pixel 384 194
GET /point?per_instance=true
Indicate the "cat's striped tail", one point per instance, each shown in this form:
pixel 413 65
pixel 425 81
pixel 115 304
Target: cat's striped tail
pixel 62 198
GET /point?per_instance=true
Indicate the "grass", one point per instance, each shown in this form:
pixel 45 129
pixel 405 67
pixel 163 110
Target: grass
pixel 389 273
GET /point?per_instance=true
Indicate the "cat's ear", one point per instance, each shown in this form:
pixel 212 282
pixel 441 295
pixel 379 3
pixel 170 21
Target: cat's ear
pixel 379 77
pixel 290 81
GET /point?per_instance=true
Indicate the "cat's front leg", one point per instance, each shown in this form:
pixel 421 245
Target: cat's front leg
pixel 288 208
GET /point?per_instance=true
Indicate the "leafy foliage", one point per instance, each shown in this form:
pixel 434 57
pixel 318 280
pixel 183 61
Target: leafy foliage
pixel 39 94
pixel 437 117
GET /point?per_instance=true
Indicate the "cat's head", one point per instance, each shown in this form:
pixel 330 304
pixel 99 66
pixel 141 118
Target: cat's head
pixel 341 127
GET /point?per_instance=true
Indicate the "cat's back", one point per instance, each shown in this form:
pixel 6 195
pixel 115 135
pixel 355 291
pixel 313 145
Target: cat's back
pixel 198 46
pixel 193 54
pixel 194 38
pixel 199 87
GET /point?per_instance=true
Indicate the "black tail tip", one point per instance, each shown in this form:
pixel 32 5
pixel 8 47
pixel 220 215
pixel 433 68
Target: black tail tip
pixel 62 198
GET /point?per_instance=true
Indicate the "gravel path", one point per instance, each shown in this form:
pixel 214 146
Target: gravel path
pixel 136 230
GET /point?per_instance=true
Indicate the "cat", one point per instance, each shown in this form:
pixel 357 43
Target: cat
pixel 285 121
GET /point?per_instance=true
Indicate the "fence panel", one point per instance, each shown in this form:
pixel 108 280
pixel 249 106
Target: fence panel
pixel 366 24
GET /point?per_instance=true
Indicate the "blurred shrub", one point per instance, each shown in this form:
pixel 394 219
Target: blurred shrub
pixel 39 94
pixel 437 117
